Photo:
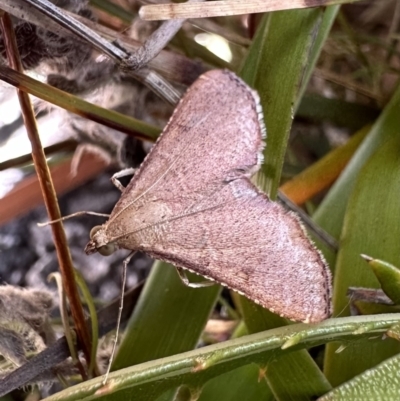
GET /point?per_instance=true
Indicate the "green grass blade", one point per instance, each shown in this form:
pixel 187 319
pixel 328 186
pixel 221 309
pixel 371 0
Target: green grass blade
pixel 78 106
pixel 275 66
pixel 321 33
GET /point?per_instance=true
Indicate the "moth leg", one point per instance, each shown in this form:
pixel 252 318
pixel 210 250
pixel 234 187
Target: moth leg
pixel 185 280
pixel 120 174
pixel 121 306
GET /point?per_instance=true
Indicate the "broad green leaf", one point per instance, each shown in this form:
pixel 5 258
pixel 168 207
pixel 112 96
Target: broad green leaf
pixel 379 383
pixel 370 227
pixel 275 66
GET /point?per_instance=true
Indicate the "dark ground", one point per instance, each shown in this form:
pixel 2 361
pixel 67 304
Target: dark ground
pixel 28 254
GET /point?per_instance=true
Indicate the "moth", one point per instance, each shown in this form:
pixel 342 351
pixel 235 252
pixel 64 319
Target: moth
pixel 191 203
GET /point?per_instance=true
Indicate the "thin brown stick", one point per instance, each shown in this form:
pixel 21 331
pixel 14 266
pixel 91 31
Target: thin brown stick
pixel 49 195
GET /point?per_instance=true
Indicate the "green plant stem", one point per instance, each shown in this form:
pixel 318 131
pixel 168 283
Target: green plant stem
pixel 194 368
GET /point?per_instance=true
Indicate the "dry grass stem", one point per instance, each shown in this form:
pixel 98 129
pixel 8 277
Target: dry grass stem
pixel 76 105
pixel 153 12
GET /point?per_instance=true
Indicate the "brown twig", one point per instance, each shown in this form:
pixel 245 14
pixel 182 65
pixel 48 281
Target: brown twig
pixel 49 195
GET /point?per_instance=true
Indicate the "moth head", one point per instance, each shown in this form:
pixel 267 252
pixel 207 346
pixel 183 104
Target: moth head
pixel 99 242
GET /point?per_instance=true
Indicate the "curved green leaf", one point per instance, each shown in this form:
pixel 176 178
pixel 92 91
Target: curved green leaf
pixel 275 66
pixel 370 227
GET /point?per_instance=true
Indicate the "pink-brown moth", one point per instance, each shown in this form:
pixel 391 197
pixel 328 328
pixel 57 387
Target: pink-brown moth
pixel 191 203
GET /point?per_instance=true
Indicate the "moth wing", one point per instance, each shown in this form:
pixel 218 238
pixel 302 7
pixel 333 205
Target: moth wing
pixel 214 134
pixel 251 245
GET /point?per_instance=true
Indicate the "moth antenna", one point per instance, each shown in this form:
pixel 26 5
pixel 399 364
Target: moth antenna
pixel 47 223
pixel 121 306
